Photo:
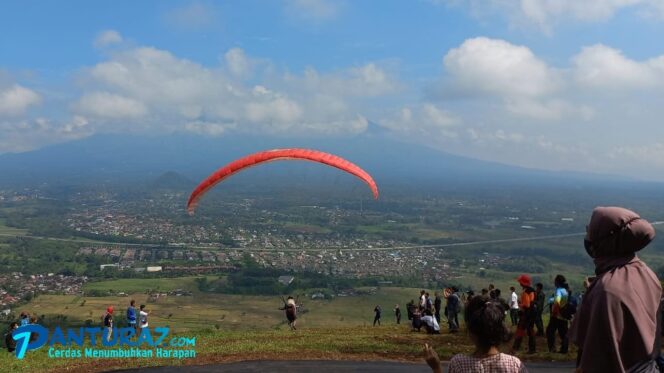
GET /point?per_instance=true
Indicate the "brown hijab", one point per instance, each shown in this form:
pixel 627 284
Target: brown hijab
pixel 615 327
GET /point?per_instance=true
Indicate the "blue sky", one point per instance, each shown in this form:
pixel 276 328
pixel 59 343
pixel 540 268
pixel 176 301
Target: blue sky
pixel 554 84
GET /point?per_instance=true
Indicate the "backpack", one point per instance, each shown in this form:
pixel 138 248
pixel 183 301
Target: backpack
pixel 569 309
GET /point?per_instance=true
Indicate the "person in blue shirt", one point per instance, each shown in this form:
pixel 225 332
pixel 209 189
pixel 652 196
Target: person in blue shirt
pixel 24 319
pixel 559 321
pixel 131 314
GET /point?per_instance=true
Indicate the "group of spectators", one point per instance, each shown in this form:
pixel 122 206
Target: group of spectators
pixel 617 327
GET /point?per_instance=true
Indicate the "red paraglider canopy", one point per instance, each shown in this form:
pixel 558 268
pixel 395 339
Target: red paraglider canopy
pixel 273 155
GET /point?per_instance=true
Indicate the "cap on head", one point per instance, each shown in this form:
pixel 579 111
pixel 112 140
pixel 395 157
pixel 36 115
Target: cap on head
pixel 109 309
pixel 524 280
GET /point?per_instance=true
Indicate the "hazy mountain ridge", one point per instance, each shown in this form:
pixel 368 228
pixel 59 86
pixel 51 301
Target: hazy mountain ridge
pixel 119 159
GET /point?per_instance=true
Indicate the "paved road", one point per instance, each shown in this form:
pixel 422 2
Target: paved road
pixel 328 366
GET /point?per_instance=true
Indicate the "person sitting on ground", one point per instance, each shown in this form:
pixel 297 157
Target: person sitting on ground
pixel 616 326
pixel 33 336
pixel 10 342
pixel 485 319
pixel 430 323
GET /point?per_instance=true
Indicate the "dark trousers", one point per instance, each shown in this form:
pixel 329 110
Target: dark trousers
pixel 376 320
pixel 560 326
pixel 514 316
pixel 399 319
pixel 539 324
pixel 437 316
pixel 526 327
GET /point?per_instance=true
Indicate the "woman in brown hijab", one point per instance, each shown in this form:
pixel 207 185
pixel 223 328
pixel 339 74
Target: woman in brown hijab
pixel 616 326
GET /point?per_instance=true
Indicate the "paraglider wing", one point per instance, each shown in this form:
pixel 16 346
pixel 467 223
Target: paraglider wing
pixel 274 155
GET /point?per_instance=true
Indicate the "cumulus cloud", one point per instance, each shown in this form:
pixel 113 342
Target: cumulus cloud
pixel 108 105
pixel 16 99
pixel 496 67
pixel 602 67
pixel 159 90
pixel 106 38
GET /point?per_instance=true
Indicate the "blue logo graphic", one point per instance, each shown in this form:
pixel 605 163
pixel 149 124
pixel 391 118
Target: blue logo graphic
pixel 77 337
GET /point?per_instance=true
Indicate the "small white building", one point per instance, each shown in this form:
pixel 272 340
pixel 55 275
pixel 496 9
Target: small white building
pixel 154 269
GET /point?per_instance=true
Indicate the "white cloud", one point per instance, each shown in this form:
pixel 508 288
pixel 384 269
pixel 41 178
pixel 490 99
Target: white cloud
pixel 423 121
pixel 206 128
pixel 16 99
pixel 602 67
pixel 163 92
pixel 313 9
pixel 106 38
pixel 496 67
pixel 28 134
pixel 546 14
pixel 195 16
pixel 108 105
pixel 237 62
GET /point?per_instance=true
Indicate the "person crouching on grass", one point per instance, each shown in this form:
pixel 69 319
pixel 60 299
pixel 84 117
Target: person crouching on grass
pixel 485 319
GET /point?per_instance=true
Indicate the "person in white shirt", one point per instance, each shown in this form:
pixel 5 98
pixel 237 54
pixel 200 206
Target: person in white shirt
pixel 514 306
pixel 143 317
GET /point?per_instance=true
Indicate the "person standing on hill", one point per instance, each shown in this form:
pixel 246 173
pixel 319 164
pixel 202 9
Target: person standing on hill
pixel 514 306
pixel 131 315
pixel 377 310
pixel 143 317
pixel 558 322
pixel 453 308
pixel 527 313
pixel 291 312
pixel 616 327
pixel 397 314
pixel 423 299
pixel 108 323
pixel 437 304
pixel 540 299
pixel 410 308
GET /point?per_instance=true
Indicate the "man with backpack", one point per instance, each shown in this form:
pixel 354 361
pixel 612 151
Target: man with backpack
pixel 562 310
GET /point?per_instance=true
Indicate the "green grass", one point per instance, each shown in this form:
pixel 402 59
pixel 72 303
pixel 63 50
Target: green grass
pixel 9 231
pixel 394 342
pixel 142 285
